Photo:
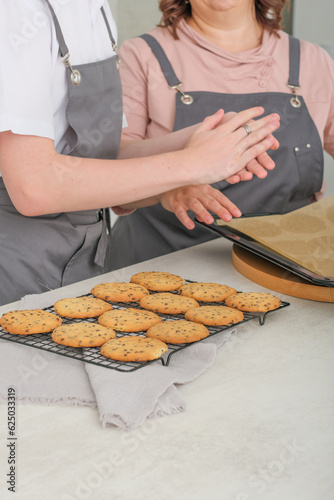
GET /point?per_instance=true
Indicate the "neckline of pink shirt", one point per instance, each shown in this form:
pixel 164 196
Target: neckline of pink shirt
pixel 256 55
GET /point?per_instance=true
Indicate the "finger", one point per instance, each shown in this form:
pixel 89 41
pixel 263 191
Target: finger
pixel 241 118
pixel 217 203
pixel 200 206
pixel 266 161
pixel 255 168
pixel 223 204
pixel 253 124
pixel 205 216
pixel 259 129
pixel 184 218
pixel 255 150
pixel 263 136
pixel 211 122
pixel 245 175
pixel 233 179
pixel 227 116
pixel 275 145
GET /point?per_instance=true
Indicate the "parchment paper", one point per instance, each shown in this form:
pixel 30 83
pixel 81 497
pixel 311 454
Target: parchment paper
pixel 304 236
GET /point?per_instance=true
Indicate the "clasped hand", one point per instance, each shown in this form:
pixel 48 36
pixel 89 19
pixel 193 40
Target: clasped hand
pixel 203 198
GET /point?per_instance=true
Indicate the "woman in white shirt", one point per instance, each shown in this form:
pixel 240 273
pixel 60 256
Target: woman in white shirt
pixel 60 126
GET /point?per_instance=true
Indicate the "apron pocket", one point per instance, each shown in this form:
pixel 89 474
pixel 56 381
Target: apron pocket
pixel 82 264
pixel 310 179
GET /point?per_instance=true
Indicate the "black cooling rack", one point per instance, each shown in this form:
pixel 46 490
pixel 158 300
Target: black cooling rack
pixel 92 355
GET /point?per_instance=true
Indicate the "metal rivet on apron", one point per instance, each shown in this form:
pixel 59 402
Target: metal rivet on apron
pixel 308 145
pixel 297 149
pixel 75 74
pixel 75 77
pixel 118 59
pixel 186 98
pixel 294 101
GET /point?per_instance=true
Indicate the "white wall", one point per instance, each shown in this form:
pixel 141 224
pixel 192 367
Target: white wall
pixel 134 17
pixel 314 21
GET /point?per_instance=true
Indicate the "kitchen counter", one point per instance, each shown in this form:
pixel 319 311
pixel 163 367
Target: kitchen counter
pixel 259 424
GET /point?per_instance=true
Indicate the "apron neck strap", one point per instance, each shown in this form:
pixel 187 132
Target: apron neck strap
pixel 60 37
pixel 294 58
pixel 62 45
pixel 165 65
pixel 173 81
pixel 113 43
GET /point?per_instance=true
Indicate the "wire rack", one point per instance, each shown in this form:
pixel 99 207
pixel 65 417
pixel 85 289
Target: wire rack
pixel 93 355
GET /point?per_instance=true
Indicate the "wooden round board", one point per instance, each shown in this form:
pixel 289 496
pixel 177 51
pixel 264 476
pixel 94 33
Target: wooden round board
pixel 276 278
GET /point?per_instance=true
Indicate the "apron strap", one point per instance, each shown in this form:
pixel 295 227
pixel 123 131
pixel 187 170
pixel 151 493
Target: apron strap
pixel 172 80
pixel 165 65
pixel 60 37
pixel 104 239
pixel 294 58
pixel 62 44
pixel 113 43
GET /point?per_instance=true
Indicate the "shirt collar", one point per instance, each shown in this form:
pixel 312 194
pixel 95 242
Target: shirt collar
pixel 260 53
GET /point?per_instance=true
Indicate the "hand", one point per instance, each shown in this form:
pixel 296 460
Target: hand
pixel 198 199
pixel 220 151
pixel 258 166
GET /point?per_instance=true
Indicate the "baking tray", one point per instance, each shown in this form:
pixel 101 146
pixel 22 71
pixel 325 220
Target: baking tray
pixel 267 253
pixel 93 356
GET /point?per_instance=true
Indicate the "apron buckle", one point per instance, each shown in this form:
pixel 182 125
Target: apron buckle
pixel 75 74
pixel 294 101
pixel 185 98
pixel 118 59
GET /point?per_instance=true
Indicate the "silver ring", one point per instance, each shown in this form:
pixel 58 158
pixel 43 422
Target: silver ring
pixel 248 129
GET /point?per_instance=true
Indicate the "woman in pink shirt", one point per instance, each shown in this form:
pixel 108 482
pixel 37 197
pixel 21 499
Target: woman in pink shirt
pixel 230 54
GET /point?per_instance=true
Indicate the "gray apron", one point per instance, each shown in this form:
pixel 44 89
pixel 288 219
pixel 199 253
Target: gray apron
pixel 46 252
pixel 153 231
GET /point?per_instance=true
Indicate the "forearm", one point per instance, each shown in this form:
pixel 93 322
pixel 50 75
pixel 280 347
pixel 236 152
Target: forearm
pixel 148 147
pixel 162 144
pixel 41 181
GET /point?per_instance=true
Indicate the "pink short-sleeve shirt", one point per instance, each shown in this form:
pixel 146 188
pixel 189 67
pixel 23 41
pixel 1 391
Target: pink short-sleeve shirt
pixel 149 104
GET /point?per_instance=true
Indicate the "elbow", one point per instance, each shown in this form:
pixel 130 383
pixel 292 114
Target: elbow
pixel 28 209
pixel 30 203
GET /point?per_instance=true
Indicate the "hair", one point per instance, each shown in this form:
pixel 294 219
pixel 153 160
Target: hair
pixel 268 13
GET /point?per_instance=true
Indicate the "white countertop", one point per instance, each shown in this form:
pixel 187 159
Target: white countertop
pixel 259 424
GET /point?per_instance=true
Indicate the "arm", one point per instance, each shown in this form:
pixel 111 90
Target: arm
pixel 176 141
pixel 173 141
pixel 201 199
pixel 149 106
pixel 41 181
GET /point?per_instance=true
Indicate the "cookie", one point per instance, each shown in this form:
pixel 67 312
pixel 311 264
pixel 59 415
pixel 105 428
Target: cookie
pixel 82 334
pixel 119 292
pixel 133 348
pixel 81 307
pixel 214 315
pixel 29 321
pixel 129 320
pixel 167 303
pixel 178 332
pixel 207 292
pixel 253 301
pixel 158 281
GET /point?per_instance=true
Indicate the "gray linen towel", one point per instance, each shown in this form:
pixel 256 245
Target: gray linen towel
pixel 124 400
